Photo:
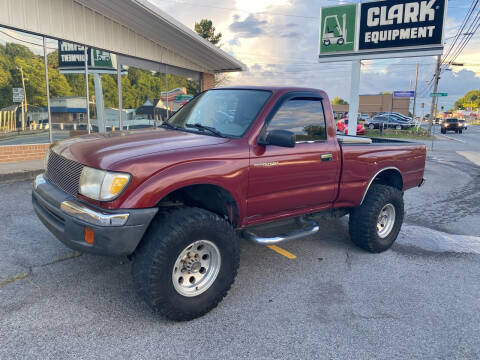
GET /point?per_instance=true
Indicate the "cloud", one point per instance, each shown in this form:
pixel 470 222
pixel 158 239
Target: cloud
pixel 248 28
pixel 292 34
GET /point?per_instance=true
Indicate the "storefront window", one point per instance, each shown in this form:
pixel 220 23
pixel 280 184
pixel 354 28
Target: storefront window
pixel 66 77
pixel 23 100
pixel 151 92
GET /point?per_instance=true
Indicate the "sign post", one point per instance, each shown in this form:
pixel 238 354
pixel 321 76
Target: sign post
pixel 379 30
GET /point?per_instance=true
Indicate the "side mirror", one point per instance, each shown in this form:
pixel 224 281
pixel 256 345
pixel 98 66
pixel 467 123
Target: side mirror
pixel 282 138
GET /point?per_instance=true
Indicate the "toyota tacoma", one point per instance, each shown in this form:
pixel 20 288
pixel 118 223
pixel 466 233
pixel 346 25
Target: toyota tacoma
pixel 176 199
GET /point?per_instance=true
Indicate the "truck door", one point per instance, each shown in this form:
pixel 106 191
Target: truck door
pixel 285 179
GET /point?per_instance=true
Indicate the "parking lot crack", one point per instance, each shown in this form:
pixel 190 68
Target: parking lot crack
pixel 348 260
pixel 69 256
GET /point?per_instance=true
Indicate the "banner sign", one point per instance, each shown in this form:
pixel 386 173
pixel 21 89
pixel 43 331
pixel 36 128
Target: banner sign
pixel 337 29
pixel 18 95
pixel 401 23
pixel 404 94
pixel 382 29
pixel 71 57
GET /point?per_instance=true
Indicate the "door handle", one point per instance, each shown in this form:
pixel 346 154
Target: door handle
pixel 326 157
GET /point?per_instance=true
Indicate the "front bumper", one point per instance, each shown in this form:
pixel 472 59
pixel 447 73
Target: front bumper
pixel 116 232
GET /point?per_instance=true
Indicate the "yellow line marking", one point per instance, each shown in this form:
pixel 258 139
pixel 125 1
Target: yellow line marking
pixel 281 251
pixel 13 278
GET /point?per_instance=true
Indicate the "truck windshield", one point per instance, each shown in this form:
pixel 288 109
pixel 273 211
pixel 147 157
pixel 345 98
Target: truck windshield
pixel 227 111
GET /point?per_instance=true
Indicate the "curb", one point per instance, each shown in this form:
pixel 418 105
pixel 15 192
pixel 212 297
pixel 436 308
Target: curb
pixel 20 176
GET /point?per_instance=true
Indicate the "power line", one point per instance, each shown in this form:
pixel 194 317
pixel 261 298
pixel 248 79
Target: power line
pixel 471 31
pixel 460 30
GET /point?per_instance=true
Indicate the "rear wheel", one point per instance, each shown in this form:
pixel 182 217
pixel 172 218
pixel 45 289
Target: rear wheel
pixel 186 263
pixel 371 126
pixel 443 131
pixel 326 42
pixel 374 225
pixel 460 131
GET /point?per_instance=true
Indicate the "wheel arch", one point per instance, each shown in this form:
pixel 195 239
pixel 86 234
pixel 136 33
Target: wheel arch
pixel 390 176
pixel 206 196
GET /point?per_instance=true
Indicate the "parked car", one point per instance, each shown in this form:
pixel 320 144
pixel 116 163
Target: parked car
pixel 397 115
pixel 463 123
pixel 388 122
pixel 342 126
pixel 363 117
pixel 451 124
pixel 175 199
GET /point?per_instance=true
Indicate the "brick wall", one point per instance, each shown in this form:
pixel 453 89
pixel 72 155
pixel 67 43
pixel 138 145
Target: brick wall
pixel 14 153
pixel 208 81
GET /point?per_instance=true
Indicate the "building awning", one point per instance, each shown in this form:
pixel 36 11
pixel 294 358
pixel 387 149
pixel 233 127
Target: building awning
pixel 152 23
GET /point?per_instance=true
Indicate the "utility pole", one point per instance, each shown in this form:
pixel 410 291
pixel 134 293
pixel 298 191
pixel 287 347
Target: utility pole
pixel 435 88
pixel 415 96
pixel 24 102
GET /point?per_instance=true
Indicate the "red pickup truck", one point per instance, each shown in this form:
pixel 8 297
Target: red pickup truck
pixel 177 198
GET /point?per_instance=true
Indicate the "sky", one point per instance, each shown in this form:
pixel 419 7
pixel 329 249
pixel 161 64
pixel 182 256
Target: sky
pixel 278 41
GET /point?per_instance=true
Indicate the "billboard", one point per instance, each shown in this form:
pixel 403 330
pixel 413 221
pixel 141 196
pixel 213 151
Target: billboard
pixel 337 28
pixel 71 58
pixel 401 23
pixel 382 29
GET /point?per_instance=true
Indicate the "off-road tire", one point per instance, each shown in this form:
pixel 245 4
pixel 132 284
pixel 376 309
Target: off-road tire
pixel 153 261
pixel 363 219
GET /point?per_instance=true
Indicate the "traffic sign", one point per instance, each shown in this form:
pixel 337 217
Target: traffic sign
pixel 438 94
pixel 404 94
pixel 18 95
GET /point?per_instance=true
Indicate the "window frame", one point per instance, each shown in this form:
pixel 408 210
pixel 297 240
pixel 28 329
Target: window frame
pixel 297 95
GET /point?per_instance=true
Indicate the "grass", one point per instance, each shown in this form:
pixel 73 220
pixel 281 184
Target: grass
pixel 412 133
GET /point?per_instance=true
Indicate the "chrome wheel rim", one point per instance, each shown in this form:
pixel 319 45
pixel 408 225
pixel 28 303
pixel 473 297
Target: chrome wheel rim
pixel 196 268
pixel 386 220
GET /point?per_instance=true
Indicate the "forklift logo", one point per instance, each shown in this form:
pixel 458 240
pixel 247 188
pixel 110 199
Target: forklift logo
pixel 337 28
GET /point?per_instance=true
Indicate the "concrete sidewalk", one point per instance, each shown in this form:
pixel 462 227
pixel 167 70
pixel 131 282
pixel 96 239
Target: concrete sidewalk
pixel 20 170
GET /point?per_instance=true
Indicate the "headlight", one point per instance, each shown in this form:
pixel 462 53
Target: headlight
pixel 102 185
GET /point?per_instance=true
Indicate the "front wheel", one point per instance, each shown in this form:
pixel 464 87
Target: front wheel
pixel 186 263
pixel 371 126
pixel 460 131
pixel 374 225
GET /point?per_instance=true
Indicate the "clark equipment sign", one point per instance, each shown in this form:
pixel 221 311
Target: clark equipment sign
pixel 401 23
pixel 382 29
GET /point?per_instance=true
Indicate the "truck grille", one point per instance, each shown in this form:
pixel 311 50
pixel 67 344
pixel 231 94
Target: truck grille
pixel 64 173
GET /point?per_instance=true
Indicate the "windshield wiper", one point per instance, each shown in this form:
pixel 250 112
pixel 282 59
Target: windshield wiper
pixel 203 127
pixel 168 125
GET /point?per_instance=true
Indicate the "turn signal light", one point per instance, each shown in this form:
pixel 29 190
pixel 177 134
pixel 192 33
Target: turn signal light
pixel 88 235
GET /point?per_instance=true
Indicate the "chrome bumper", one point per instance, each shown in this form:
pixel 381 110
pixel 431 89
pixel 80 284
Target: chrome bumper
pixel 86 213
pixel 92 216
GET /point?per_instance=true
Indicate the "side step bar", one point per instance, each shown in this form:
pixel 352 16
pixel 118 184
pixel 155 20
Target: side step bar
pixel 310 228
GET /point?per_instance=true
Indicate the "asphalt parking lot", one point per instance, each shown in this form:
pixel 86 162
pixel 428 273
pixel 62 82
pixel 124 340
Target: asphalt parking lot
pixel 418 300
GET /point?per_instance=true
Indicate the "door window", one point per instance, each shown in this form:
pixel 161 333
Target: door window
pixel 304 117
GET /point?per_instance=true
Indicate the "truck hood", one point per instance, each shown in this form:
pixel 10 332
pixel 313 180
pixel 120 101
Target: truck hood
pixel 104 150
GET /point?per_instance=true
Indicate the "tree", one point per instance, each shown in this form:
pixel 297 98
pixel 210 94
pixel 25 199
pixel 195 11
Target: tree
pixel 470 99
pixel 206 30
pixel 339 101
